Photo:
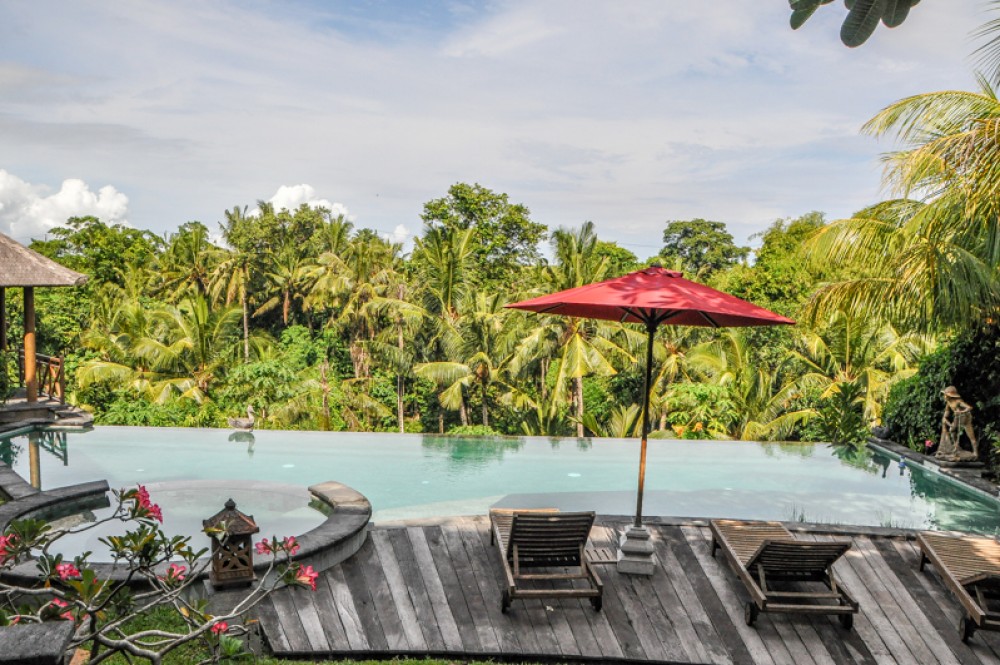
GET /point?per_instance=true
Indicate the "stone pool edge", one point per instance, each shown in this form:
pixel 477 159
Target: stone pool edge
pixel 339 537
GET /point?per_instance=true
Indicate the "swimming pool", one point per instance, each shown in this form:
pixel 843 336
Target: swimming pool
pixel 410 476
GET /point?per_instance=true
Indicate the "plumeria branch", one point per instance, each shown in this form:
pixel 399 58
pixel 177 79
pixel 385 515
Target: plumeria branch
pixel 166 567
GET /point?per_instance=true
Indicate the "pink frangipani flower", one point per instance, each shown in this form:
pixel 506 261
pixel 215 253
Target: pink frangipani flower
pixel 263 547
pixel 66 571
pixel 219 627
pixel 306 576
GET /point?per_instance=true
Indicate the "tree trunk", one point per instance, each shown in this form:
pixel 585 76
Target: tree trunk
pixel 286 307
pixel 440 420
pixel 325 386
pixel 486 414
pixel 400 385
pixel 246 326
pixel 545 371
pixel 463 413
pixel 578 390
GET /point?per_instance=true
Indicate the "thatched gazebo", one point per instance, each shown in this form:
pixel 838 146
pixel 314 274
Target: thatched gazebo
pixel 26 268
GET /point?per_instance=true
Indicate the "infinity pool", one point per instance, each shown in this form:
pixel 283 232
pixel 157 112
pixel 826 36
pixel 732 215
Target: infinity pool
pixel 410 476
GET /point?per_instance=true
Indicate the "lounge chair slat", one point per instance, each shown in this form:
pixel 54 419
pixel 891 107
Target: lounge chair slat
pixel 970 568
pixel 768 551
pixel 539 539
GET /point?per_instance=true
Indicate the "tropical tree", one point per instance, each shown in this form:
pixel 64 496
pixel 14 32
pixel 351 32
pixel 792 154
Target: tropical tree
pixel 188 262
pixel 585 347
pixel 860 352
pixel 484 349
pixel 759 397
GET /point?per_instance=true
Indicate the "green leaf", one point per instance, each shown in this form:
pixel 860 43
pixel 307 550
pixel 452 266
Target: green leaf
pixel 800 16
pixel 895 12
pixel 861 21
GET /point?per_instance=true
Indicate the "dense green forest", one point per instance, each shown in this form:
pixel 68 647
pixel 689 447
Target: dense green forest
pixel 321 325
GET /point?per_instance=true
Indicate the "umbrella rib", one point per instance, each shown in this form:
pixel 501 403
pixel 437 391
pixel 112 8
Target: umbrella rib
pixel 709 319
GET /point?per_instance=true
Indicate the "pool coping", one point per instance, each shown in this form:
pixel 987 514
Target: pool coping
pixel 958 475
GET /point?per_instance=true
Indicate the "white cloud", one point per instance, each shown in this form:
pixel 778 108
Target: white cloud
pixel 291 197
pixel 399 234
pixel 628 114
pixel 28 211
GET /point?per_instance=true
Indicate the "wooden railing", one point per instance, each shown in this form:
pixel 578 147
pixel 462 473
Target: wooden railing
pixel 50 372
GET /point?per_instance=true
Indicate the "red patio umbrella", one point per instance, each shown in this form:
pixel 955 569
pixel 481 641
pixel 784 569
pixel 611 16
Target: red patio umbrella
pixel 652 297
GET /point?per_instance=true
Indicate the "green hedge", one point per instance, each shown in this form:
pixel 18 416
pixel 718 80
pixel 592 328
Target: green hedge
pixel 971 363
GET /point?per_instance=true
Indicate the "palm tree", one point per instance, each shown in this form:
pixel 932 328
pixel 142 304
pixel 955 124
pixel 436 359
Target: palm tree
pixel 760 399
pixel 483 350
pixel 288 276
pixel 859 352
pixel 179 350
pixel 391 346
pixel 585 347
pixel 186 266
pixel 926 264
pixel 233 276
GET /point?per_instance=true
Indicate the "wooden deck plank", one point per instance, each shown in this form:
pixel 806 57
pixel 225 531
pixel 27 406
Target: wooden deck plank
pixel 466 576
pixel 607 642
pixel 694 628
pixel 721 594
pixel 403 552
pixel 304 602
pixel 949 609
pixel 348 613
pixel 363 601
pixel 901 593
pixel 435 590
pixel 881 638
pixel 472 531
pixel 398 589
pixel 288 617
pixel 882 587
pixel 406 589
pixel 268 618
pixel 329 616
pixel 908 574
pixel 469 629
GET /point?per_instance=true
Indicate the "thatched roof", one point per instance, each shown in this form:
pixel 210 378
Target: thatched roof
pixel 20 266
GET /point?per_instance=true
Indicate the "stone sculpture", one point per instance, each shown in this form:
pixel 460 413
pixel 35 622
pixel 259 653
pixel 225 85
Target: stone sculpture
pixel 956 419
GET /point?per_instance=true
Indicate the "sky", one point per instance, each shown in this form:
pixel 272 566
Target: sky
pixel 628 114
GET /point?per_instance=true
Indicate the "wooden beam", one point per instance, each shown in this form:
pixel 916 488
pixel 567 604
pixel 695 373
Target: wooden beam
pixel 30 371
pixel 34 460
pixel 3 319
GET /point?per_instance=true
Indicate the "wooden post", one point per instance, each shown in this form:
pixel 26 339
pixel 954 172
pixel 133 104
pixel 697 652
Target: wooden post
pixel 34 461
pixel 30 371
pixel 3 319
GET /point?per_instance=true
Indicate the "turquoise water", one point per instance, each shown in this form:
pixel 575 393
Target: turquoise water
pixel 409 476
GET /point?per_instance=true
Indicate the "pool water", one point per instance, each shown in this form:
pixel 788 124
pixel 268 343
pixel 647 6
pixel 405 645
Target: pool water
pixel 411 476
pixel 279 510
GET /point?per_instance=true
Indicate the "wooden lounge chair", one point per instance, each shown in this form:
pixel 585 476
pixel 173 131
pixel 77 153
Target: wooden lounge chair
pixel 546 539
pixel 762 553
pixel 970 567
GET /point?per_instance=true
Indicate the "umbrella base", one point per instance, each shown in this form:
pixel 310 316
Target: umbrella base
pixel 635 553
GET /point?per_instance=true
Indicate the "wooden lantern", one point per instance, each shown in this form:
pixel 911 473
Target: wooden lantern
pixel 232 551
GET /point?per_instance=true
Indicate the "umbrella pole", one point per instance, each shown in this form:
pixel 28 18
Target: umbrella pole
pixel 651 329
pixel 635 553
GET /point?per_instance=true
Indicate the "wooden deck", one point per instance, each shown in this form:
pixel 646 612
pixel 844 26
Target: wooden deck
pixel 434 589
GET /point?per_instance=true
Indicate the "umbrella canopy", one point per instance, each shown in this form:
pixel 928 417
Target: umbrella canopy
pixel 653 296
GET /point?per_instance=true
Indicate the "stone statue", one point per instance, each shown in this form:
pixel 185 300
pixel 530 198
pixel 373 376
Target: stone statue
pixel 956 419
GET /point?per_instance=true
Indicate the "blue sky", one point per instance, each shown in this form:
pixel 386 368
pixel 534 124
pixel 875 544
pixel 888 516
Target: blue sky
pixel 628 114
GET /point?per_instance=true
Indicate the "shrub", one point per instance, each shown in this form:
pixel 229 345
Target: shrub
pixel 472 430
pixel 914 407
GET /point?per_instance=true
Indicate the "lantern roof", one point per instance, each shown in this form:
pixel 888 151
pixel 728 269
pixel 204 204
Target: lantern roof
pixel 20 266
pixel 236 523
